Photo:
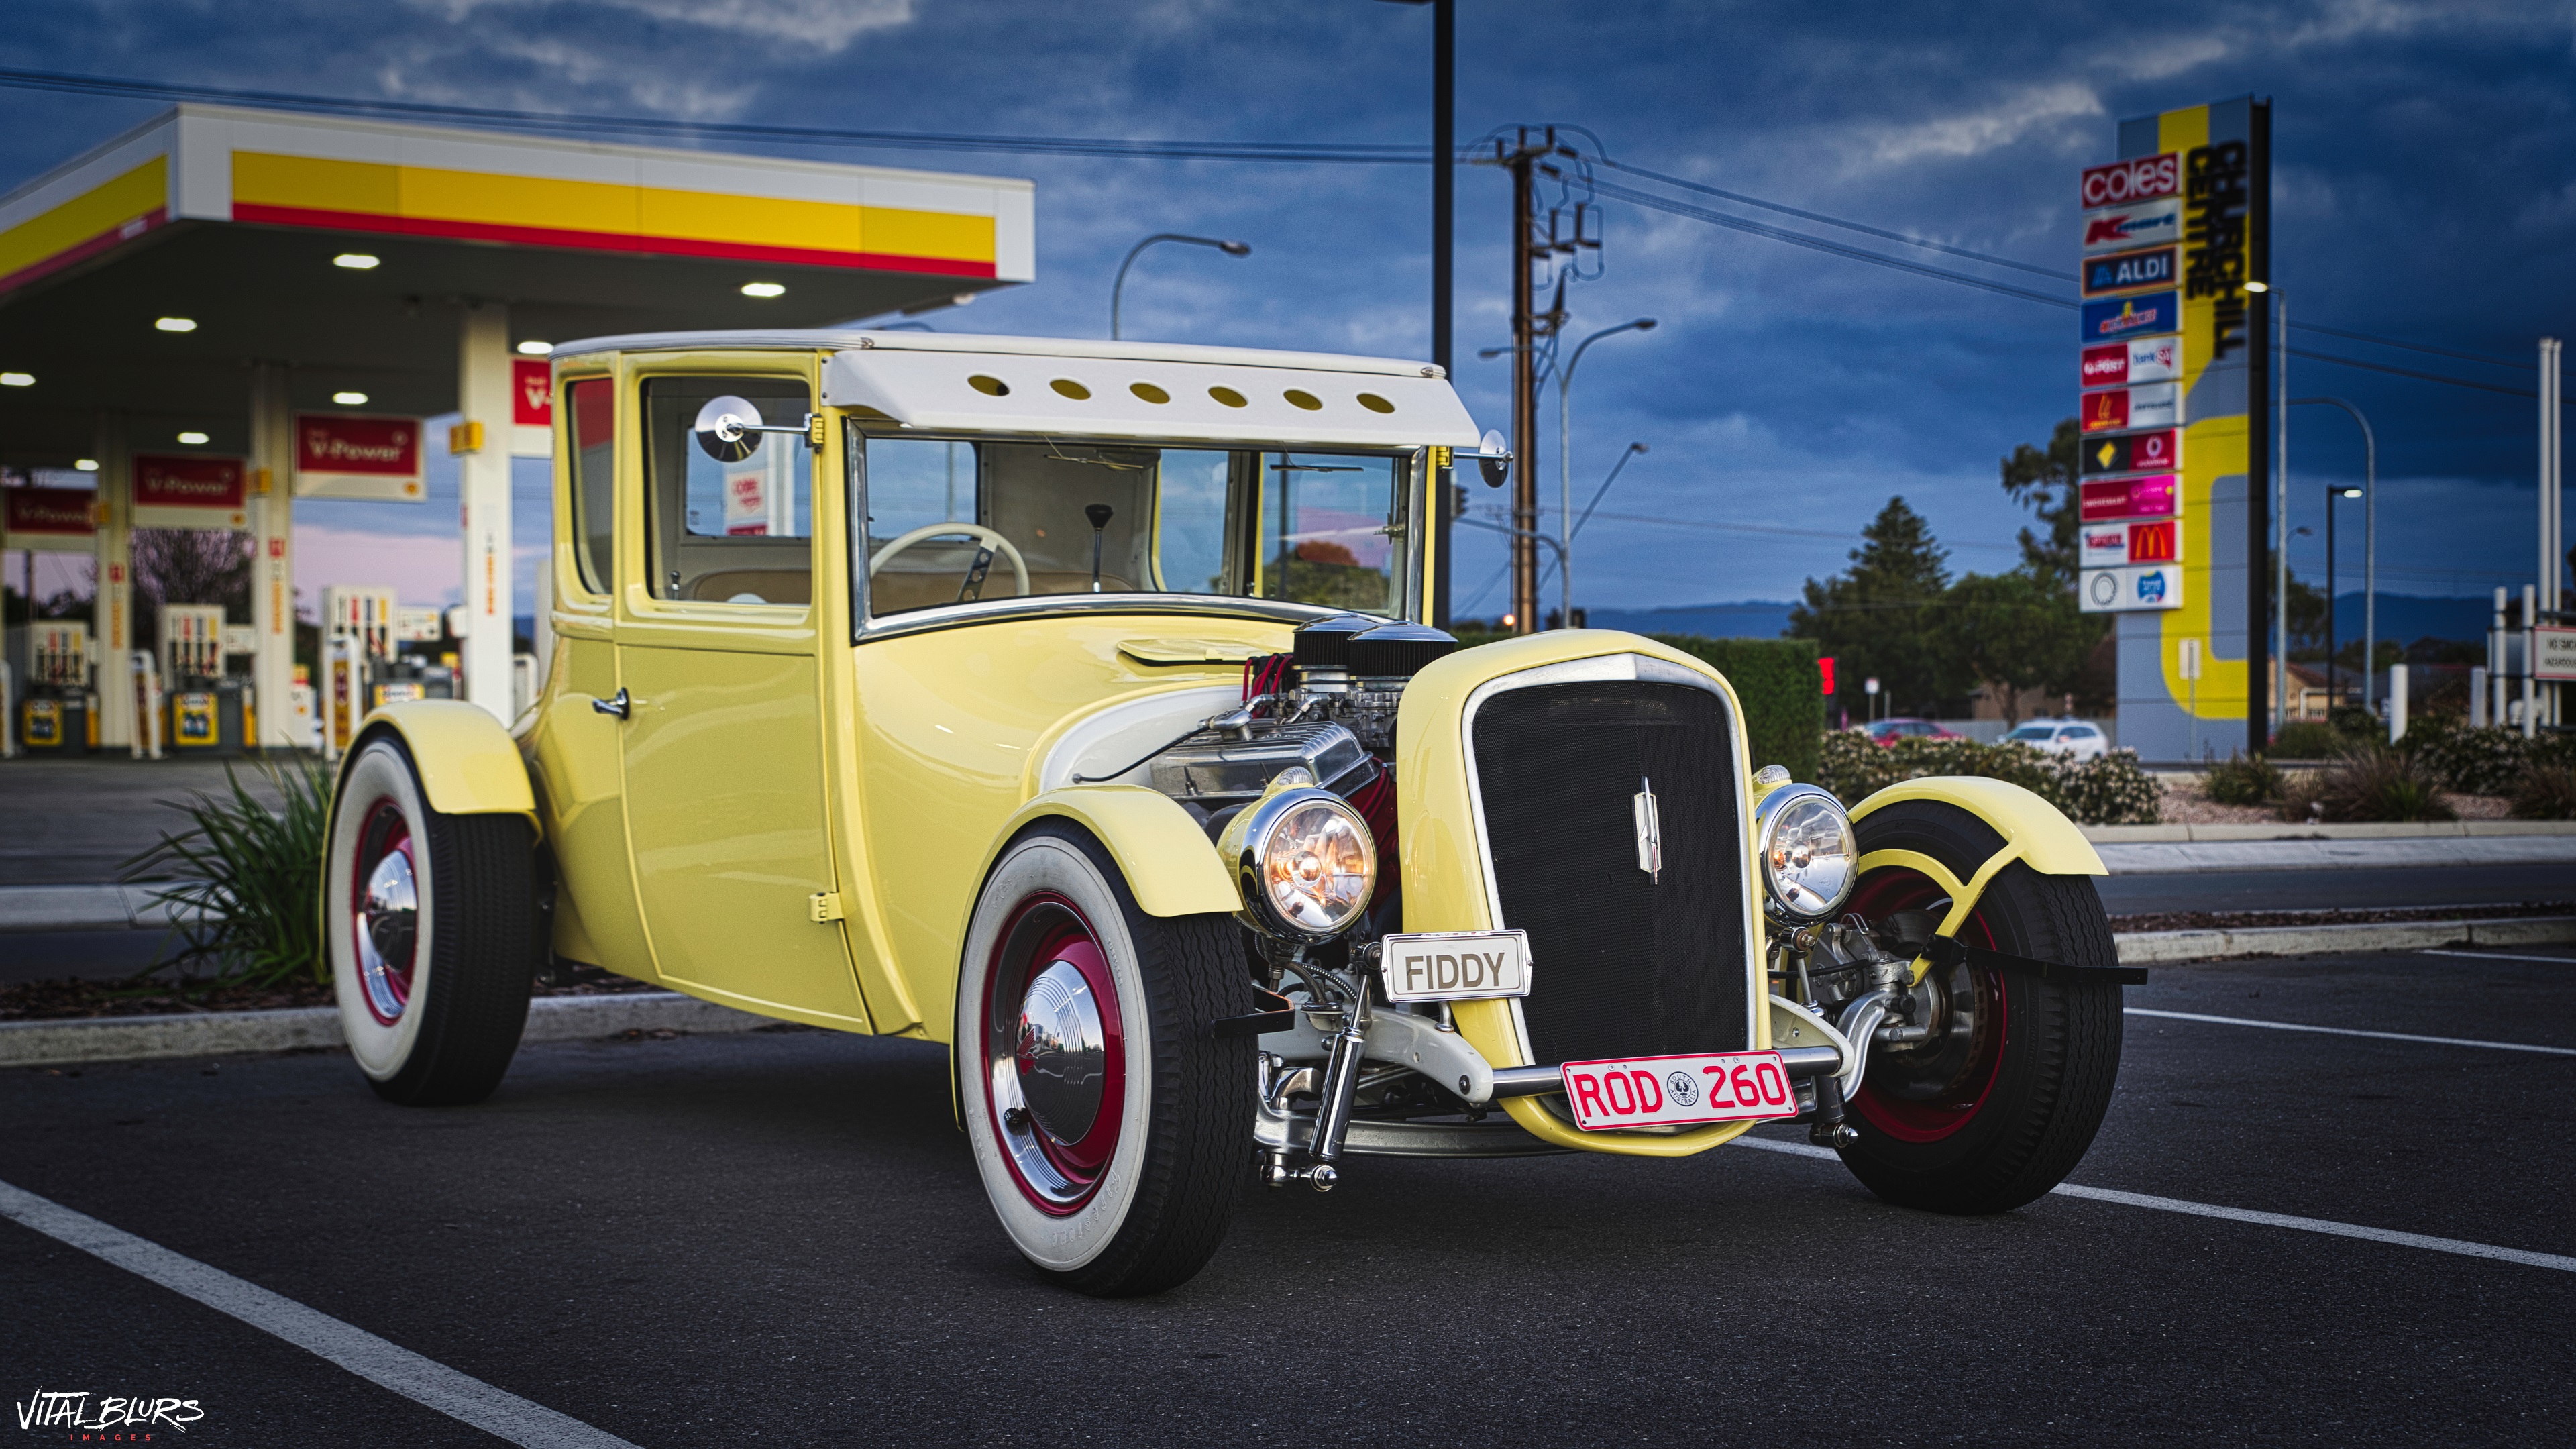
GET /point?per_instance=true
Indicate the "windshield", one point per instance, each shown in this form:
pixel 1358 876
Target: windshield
pixel 951 522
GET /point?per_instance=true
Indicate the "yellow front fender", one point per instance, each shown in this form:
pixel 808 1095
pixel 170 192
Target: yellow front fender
pixel 468 763
pixel 1168 860
pixel 2034 831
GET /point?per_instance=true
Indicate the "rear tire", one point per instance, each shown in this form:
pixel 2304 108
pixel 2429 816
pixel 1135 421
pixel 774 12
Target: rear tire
pixel 429 920
pixel 1995 1122
pixel 1115 1170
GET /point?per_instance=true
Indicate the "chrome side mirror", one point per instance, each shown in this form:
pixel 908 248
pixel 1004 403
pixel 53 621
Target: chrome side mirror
pixel 1493 456
pixel 726 429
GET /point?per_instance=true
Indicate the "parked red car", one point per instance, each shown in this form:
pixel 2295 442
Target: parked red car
pixel 1889 731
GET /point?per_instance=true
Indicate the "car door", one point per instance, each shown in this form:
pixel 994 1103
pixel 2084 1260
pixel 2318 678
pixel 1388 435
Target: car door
pixel 718 652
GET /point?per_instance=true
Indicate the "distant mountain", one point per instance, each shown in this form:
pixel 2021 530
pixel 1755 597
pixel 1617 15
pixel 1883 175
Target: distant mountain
pixel 1749 619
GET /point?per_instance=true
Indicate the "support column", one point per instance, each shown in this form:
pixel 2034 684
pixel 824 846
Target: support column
pixel 113 626
pixel 272 542
pixel 483 481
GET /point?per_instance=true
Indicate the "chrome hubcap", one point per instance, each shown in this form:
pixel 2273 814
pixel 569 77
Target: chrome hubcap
pixel 388 929
pixel 1062 1053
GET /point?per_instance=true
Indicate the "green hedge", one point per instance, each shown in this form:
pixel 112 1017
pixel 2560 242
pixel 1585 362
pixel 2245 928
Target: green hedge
pixel 2108 789
pixel 1784 703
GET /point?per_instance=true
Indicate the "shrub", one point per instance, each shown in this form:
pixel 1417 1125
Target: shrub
pixel 252 905
pixel 2306 739
pixel 2488 761
pixel 2242 779
pixel 2545 792
pixel 2370 783
pixel 1776 679
pixel 2110 790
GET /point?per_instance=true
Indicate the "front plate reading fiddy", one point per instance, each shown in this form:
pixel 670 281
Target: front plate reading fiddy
pixel 1455 965
pixel 1671 1091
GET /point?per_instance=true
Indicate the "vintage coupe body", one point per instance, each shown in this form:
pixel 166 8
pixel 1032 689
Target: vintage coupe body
pixel 1070 704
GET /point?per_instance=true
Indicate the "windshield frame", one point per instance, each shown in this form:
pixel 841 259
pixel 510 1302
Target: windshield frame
pixel 1415 471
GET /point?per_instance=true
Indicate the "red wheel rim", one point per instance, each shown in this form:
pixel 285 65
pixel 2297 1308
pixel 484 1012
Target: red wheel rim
pixel 384 910
pixel 1054 1054
pixel 1897 1098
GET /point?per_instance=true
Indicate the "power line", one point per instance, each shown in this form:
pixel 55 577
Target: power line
pixel 1307 152
pixel 1740 198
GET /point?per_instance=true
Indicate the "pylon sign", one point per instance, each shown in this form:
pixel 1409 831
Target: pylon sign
pixel 2172 474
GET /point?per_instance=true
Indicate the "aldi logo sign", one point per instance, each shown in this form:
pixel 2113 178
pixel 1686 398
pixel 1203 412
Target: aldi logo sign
pixel 2127 271
pixel 2114 318
pixel 2138 453
pixel 2147 359
pixel 2119 228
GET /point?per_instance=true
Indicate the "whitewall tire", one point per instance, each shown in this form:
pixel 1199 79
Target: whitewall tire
pixel 429 920
pixel 1112 1129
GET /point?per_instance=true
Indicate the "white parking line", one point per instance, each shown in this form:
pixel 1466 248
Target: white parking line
pixel 424 1381
pixel 2502 1046
pixel 2497 956
pixel 2458 1246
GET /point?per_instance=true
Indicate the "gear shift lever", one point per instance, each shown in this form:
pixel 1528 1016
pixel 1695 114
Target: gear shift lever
pixel 1099 514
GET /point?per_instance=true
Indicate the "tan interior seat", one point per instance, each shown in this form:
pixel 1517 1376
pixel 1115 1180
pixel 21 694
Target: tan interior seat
pixel 895 591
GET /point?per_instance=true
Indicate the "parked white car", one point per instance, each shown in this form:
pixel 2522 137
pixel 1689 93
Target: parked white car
pixel 2072 738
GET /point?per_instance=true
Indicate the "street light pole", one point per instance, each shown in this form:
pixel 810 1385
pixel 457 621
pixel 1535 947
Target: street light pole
pixel 1119 287
pixel 2369 535
pixel 1565 466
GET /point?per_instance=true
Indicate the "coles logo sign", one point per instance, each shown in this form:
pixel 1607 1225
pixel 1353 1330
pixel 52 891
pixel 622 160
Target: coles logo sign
pixel 2139 180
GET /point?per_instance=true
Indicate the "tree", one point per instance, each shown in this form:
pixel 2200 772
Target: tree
pixel 2046 482
pixel 1879 616
pixel 188 566
pixel 2013 631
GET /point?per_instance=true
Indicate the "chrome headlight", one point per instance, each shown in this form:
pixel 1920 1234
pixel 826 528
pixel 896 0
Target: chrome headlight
pixel 1305 861
pixel 1809 856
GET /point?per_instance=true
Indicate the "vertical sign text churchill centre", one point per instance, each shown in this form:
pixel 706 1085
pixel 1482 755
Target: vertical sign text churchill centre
pixel 2172 470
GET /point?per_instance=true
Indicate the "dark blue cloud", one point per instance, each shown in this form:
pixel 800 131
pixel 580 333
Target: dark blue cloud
pixel 2426 166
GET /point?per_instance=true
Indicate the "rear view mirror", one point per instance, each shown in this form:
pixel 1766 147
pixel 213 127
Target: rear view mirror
pixel 1493 458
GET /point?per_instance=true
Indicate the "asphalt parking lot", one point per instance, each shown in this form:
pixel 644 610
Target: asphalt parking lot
pixel 777 1237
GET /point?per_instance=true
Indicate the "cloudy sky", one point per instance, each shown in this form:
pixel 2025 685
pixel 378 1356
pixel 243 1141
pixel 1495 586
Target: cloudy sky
pixel 2426 191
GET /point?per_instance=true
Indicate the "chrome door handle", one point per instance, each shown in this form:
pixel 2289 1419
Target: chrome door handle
pixel 616 704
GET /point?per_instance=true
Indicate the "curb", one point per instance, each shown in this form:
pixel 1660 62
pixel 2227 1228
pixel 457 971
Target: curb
pixel 2286 830
pixel 238 1033
pixel 575 1018
pixel 2147 947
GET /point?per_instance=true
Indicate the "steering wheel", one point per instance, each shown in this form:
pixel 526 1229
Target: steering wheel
pixel 1019 570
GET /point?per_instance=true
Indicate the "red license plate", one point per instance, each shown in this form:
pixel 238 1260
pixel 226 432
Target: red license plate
pixel 1668 1091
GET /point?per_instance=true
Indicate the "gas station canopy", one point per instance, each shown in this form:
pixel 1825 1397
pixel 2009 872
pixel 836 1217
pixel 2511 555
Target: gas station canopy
pixel 230 219
pixel 216 278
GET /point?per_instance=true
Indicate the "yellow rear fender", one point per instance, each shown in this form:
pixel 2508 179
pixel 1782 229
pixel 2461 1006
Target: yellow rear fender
pixel 1168 860
pixel 468 763
pixel 2035 833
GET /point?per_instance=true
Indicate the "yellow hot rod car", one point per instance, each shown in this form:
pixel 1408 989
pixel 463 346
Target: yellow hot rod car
pixel 1069 704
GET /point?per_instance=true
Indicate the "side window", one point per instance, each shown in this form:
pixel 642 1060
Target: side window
pixel 1189 529
pixel 730 523
pixel 1330 530
pixel 591 407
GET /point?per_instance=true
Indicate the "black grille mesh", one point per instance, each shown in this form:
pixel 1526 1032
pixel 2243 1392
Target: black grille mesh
pixel 1621 966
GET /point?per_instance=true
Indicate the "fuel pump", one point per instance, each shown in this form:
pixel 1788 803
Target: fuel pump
pixel 209 710
pixel 58 703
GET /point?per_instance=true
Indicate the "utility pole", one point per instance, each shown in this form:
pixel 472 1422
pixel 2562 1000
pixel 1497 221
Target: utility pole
pixel 1527 328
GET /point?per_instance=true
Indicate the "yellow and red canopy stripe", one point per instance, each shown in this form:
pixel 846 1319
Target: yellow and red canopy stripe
pixel 364 196
pixel 118 210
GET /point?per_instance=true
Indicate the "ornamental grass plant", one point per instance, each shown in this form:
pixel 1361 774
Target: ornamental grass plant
pixel 250 905
pixel 2546 792
pixel 2367 783
pixel 2242 779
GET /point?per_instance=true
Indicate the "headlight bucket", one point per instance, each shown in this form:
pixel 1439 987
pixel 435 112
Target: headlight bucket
pixel 1305 862
pixel 1810 858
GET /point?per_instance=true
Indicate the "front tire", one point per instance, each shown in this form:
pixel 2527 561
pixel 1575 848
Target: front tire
pixel 428 919
pixel 1988 1117
pixel 1110 1126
